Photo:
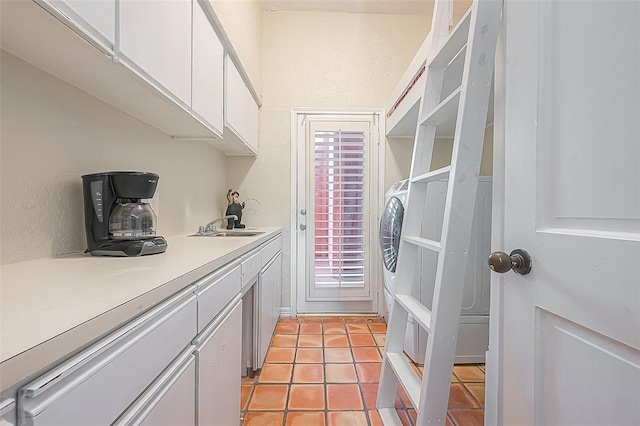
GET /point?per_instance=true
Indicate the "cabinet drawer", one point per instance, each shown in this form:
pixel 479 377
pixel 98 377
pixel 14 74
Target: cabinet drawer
pixel 215 291
pixel 170 399
pixel 250 267
pixel 271 249
pixel 99 383
pixel 7 412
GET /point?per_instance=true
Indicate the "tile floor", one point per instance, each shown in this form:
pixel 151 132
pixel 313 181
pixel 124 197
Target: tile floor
pixel 325 371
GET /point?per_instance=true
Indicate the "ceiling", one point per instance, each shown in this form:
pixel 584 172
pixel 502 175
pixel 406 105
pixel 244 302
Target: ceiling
pixel 387 7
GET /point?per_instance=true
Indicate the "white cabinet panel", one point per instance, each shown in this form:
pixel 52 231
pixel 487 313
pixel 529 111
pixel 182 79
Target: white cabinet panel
pixel 8 412
pixel 170 400
pixel 156 36
pixel 215 292
pixel 208 76
pixel 219 353
pixel 252 122
pixel 95 16
pixel 241 110
pixel 265 312
pixel 270 249
pixel 277 289
pixel 251 265
pixel 269 297
pixel 96 385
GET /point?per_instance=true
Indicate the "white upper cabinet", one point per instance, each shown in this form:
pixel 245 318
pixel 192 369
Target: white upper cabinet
pixel 208 78
pixel 97 17
pixel 241 110
pixel 156 37
pixel 161 61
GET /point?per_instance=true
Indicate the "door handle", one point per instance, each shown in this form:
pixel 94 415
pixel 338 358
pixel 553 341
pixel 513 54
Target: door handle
pixel 519 260
pixel 303 212
pixel 303 226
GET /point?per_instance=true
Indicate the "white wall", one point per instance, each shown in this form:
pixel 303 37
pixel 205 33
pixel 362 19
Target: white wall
pixel 400 150
pixel 317 59
pixel 52 133
pixel 398 160
pixel 242 21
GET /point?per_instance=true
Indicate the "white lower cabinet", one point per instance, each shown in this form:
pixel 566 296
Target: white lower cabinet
pixel 7 412
pixel 177 364
pixel 269 284
pixel 170 400
pixel 215 291
pixel 218 354
pixel 95 386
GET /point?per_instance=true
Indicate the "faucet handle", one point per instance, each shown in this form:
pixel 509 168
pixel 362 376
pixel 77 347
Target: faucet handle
pixel 201 230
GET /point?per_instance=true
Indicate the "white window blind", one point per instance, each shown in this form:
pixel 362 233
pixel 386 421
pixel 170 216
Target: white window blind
pixel 340 200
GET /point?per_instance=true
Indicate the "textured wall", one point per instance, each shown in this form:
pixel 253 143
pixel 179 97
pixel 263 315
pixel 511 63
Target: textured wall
pixel 314 59
pixel 242 21
pixel 52 133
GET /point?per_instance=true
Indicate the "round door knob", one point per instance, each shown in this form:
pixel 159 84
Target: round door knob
pixel 519 260
pixel 303 226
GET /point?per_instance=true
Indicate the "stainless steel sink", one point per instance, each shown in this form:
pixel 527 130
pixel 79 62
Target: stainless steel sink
pixel 229 233
pixel 236 233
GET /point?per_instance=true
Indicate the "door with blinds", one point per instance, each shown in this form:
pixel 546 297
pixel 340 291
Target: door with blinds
pixel 336 203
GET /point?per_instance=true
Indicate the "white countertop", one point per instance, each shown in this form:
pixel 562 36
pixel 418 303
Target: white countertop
pixel 52 307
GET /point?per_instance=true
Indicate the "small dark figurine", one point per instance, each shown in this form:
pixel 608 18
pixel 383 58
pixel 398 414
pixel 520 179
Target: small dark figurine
pixel 234 208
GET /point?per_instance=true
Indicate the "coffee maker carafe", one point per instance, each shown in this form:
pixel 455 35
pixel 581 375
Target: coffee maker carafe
pixel 117 222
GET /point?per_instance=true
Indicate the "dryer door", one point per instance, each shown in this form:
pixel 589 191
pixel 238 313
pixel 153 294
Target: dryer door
pixel 390 228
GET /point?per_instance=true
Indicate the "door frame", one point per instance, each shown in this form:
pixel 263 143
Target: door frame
pixel 495 357
pixel 378 164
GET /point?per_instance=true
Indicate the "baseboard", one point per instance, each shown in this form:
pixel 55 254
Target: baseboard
pixel 285 312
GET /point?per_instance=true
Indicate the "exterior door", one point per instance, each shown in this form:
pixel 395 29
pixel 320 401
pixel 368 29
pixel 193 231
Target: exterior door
pixel 571 328
pixel 336 213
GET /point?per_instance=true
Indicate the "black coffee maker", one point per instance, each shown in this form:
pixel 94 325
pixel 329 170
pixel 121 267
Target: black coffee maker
pixel 116 220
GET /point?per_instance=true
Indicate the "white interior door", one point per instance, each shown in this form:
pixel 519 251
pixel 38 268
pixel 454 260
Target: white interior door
pixel 571 328
pixel 336 213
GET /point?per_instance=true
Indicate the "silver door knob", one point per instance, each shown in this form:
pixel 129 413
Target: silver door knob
pixel 303 226
pixel 303 212
pixel 519 260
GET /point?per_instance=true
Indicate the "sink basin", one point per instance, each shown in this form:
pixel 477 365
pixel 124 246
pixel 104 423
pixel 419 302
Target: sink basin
pixel 230 233
pixel 236 233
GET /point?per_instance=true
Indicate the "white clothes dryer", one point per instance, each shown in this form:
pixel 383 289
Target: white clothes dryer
pixel 390 228
pixel 473 335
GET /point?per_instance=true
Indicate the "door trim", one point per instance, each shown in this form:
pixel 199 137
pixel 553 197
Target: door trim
pixel 494 357
pixel 378 149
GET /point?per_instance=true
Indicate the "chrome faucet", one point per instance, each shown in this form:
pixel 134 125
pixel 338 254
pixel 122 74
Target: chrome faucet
pixel 210 227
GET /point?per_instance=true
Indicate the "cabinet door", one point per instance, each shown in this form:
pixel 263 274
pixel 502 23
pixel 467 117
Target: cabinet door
pixel 208 78
pixel 265 312
pixel 156 37
pixel 241 110
pixel 96 385
pixel 97 17
pixel 170 400
pixel 277 289
pixel 7 412
pixel 219 355
pixel 251 114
